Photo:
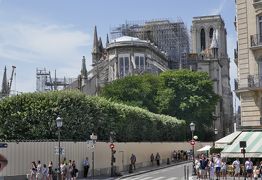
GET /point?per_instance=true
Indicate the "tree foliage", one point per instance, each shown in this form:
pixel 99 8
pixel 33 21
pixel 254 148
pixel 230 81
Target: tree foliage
pixel 32 116
pixel 183 94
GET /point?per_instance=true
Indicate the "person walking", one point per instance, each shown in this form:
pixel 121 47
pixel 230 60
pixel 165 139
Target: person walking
pixel 158 159
pixel 45 172
pixel 50 171
pixel 249 168
pixel 86 167
pixel 33 171
pixel 236 167
pixel 260 169
pixel 203 167
pixel 224 169
pixel 133 161
pixel 211 169
pixel 74 172
pixel 152 158
pixel 218 166
pixel 39 174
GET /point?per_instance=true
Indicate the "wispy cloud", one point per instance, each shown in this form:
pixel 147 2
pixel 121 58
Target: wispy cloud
pixel 219 9
pixel 33 42
pixel 29 45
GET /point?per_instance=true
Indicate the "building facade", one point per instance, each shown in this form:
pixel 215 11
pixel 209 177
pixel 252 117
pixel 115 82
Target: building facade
pixel 169 36
pixel 248 57
pixel 124 56
pixel 209 54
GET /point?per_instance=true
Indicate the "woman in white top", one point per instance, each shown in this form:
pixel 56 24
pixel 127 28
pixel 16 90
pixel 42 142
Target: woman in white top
pixel 236 166
pixel 249 168
pixel 218 166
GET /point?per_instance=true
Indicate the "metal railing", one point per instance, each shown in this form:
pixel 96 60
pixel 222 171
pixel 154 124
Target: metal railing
pixel 256 40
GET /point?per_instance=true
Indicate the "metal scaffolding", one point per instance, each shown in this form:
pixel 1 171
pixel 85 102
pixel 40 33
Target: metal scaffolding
pixel 44 81
pixel 169 36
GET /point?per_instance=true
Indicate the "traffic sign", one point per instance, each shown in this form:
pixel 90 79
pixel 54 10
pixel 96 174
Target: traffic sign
pixel 112 146
pixel 192 142
pixel 62 151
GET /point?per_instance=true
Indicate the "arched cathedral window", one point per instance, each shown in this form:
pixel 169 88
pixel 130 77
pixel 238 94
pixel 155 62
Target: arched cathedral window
pixel 211 33
pixel 202 39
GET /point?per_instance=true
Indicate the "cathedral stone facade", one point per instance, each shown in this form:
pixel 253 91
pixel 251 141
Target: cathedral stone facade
pixel 122 57
pixel 209 54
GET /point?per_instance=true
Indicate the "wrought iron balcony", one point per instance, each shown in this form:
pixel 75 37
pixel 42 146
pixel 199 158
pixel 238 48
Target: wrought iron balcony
pixel 256 40
pixel 255 81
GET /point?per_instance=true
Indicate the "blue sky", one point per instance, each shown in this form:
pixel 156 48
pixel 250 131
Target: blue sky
pixel 55 34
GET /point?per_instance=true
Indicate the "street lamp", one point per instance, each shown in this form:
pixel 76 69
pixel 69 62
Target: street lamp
pixel 93 137
pixel 59 124
pixel 192 128
pixel 215 132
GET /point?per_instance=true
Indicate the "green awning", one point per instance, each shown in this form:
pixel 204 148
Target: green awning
pixel 253 142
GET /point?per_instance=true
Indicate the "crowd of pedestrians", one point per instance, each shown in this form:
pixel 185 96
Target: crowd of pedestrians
pixel 68 170
pixel 180 155
pixel 217 168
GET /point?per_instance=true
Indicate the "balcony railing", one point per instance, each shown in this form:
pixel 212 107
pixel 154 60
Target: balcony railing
pixel 255 81
pixel 256 40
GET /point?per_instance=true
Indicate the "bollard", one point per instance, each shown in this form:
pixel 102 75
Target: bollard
pixel 187 172
pixel 167 161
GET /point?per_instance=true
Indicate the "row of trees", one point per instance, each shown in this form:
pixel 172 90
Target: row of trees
pixel 32 116
pixel 183 94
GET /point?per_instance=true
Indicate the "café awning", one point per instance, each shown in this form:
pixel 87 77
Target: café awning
pixel 223 142
pixel 205 148
pixel 253 146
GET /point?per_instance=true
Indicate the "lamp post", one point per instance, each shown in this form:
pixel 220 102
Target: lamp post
pixel 215 134
pixel 93 137
pixel 192 128
pixel 59 124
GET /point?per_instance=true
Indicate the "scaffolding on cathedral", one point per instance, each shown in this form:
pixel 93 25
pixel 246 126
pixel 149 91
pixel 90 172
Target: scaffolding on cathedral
pixel 44 81
pixel 170 36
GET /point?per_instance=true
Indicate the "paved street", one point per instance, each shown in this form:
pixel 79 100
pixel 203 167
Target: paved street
pixel 171 173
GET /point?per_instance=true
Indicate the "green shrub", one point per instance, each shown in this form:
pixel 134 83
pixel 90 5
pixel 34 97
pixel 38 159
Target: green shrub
pixel 32 116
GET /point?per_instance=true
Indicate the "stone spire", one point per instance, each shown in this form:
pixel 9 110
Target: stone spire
pixel 107 40
pixel 95 42
pixel 100 45
pixel 83 68
pixel 5 88
pixel 96 54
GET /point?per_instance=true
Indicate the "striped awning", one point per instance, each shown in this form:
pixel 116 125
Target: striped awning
pixel 253 142
pixel 223 142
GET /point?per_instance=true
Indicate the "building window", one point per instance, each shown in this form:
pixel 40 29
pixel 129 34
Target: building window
pixel 123 66
pixel 260 28
pixel 211 31
pixel 140 62
pixel 203 39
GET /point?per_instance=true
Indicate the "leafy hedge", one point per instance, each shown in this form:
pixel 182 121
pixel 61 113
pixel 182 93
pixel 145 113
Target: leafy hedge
pixel 32 116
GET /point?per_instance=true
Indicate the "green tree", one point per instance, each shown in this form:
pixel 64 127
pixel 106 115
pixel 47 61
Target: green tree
pixel 138 91
pixel 183 94
pixel 188 95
